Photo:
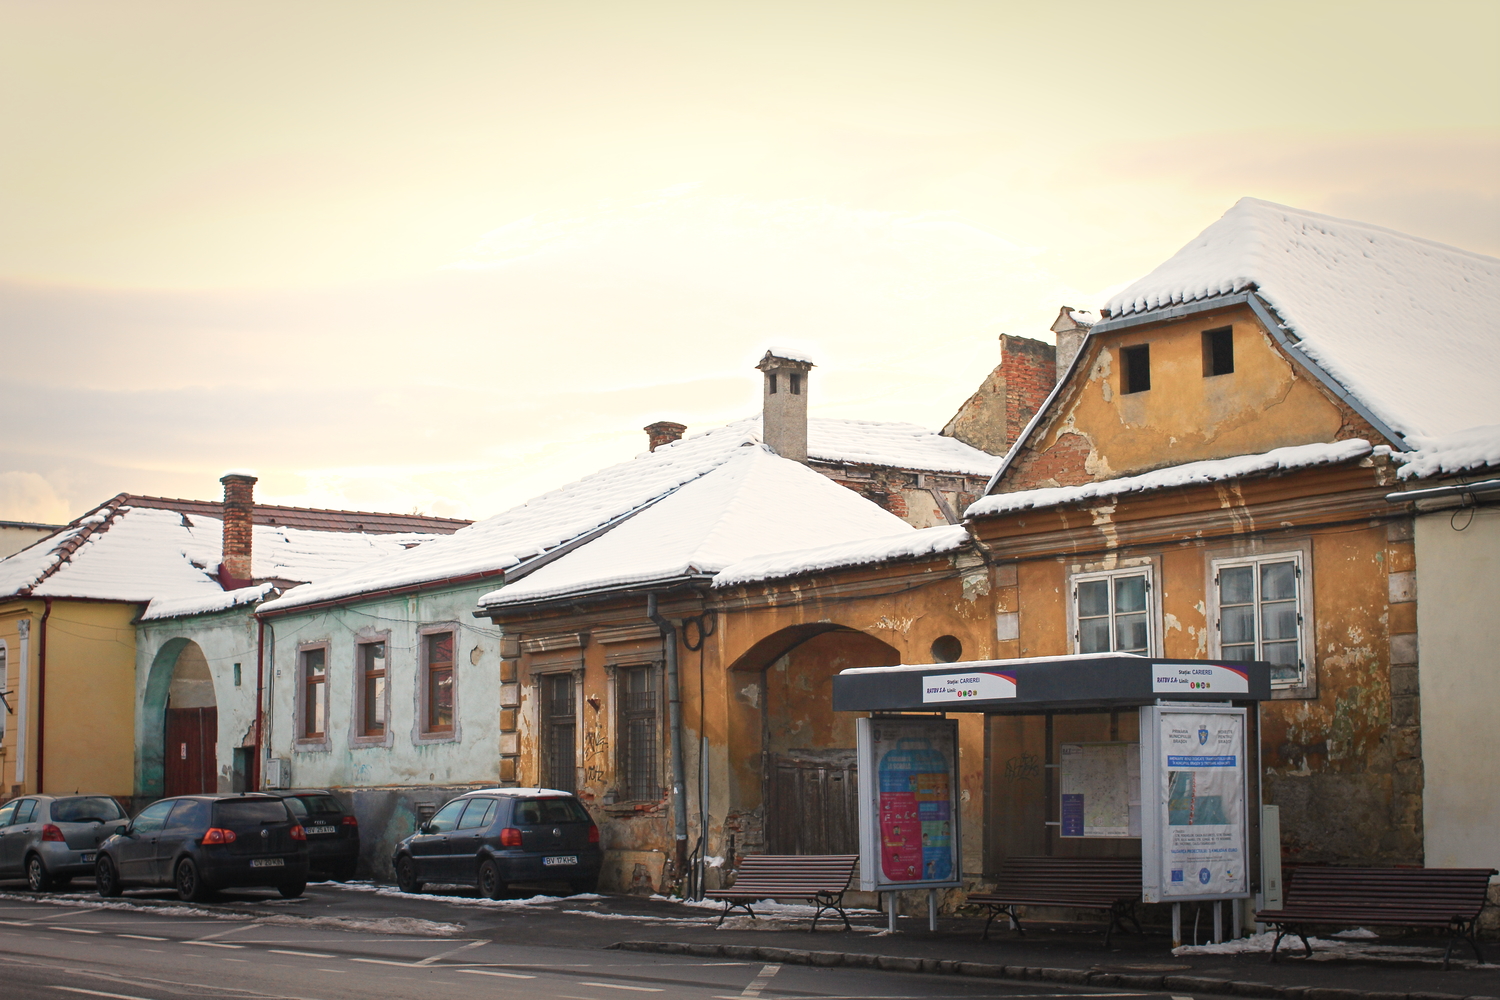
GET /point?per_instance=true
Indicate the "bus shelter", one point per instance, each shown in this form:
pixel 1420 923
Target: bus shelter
pixel 1086 756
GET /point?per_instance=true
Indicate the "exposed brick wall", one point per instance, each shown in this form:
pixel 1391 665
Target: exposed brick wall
pixel 1029 370
pixel 239 512
pixel 663 432
pixel 1064 464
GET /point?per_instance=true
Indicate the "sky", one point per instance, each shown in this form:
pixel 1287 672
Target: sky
pixel 446 256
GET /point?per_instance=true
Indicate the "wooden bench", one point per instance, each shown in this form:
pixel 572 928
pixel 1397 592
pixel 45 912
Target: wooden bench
pixel 1109 884
pixel 1449 898
pixel 821 879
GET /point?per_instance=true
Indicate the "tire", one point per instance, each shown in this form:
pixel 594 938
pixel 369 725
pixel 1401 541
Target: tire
pixel 291 890
pixel 491 885
pixel 189 883
pixel 406 875
pixel 37 878
pixel 106 879
pixel 584 885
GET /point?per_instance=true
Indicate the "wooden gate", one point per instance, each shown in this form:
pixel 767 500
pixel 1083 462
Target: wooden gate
pixel 813 805
pixel 191 751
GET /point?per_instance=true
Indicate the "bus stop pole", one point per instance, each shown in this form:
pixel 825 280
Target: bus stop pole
pixel 932 910
pixel 1176 925
pixel 890 902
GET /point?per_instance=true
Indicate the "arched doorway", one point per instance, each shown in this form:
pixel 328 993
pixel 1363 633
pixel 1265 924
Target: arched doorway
pixel 190 762
pixel 808 785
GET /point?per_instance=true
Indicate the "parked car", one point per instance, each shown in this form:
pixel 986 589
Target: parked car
pixel 202 843
pixel 332 833
pixel 495 836
pixel 49 839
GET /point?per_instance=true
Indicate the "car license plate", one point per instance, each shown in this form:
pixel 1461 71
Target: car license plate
pixel 561 859
pixel 267 862
pixel 86 857
pixel 322 829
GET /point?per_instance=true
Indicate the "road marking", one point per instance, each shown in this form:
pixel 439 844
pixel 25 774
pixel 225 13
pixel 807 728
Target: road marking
pixel 142 937
pixel 15 923
pixel 453 951
pixel 304 954
pixel 381 961
pixel 232 930
pixel 97 993
pixel 617 986
pixel 759 982
pixel 75 930
pixel 213 944
pixel 489 972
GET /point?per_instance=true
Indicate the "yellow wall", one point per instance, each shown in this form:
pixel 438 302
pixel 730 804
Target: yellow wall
pixel 90 697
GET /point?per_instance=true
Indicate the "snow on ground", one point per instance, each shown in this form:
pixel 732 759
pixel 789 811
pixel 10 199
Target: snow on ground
pixel 1452 454
pixel 1405 323
pixel 1191 474
pixel 1324 949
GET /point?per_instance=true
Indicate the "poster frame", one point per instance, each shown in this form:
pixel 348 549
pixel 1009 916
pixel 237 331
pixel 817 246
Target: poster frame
pixel 871 878
pixel 1154 811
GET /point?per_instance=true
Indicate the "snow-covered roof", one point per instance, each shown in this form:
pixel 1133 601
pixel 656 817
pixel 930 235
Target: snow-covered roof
pixel 1405 324
pixel 1189 474
pixel 754 503
pixel 1452 454
pixel 601 498
pixel 224 600
pixel 971 665
pixel 123 552
pixel 908 544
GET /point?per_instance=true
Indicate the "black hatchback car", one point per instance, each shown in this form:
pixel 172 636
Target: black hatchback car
pixel 198 844
pixel 332 832
pixel 496 836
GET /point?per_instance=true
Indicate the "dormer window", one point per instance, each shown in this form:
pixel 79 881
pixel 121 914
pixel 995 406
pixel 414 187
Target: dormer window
pixel 1135 368
pixel 1218 352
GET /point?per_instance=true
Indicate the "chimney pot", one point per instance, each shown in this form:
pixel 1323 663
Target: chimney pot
pixel 784 403
pixel 235 567
pixel 663 432
pixel 1071 328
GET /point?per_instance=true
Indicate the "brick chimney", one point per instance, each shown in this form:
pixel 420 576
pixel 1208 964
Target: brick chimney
pixel 239 515
pixel 999 411
pixel 663 432
pixel 1071 327
pixel 784 407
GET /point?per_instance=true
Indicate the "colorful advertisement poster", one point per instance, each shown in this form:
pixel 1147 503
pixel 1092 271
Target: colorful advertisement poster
pixel 1201 804
pixel 908 803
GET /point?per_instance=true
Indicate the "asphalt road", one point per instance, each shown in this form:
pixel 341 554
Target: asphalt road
pixel 57 948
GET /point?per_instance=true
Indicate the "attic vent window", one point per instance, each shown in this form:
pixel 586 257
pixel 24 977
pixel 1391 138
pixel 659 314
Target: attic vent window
pixel 795 379
pixel 1135 365
pixel 771 383
pixel 1218 352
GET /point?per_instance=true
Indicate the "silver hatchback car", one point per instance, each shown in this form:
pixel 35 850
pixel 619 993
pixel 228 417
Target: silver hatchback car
pixel 49 840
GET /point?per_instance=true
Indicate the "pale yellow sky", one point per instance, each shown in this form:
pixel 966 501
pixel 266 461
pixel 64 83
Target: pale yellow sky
pixel 447 255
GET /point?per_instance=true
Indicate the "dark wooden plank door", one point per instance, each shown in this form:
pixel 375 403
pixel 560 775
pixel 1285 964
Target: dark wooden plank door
pixel 813 807
pixel 192 762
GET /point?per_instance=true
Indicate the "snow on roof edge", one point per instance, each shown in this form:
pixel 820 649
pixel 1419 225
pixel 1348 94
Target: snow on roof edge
pixel 1452 454
pixel 797 562
pixel 182 607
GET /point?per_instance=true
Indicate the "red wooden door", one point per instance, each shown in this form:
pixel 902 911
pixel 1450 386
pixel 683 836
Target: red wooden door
pixel 192 762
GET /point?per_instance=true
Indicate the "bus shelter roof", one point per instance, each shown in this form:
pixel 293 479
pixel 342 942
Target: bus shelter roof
pixel 1079 681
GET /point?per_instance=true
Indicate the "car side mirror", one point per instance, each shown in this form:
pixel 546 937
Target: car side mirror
pixel 424 828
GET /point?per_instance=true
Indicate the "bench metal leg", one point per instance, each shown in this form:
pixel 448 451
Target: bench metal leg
pixel 1282 930
pixel 825 902
pixel 728 905
pixel 1462 930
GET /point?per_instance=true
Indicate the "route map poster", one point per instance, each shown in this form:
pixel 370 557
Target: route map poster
pixel 1200 804
pixel 908 803
pixel 1101 789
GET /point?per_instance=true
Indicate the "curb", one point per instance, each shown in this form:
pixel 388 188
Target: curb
pixel 1077 977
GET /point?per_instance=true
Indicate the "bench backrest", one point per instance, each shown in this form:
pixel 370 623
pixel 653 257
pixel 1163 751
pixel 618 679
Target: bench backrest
pixel 1113 878
pixel 794 874
pixel 1443 891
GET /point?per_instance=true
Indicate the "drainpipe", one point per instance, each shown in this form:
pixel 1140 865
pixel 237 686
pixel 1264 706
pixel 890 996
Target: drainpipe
pixel 41 695
pixel 260 701
pixel 674 722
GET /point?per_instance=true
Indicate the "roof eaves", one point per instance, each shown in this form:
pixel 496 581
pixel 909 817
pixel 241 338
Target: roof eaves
pixel 595 594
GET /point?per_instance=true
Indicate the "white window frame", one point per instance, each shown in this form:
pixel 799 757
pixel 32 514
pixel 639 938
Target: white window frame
pixel 1305 684
pixel 1133 567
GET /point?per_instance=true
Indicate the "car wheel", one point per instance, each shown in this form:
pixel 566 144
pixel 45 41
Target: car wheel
pixel 36 874
pixel 406 875
pixel 190 887
pixel 291 890
pixel 584 885
pixel 491 885
pixel 106 880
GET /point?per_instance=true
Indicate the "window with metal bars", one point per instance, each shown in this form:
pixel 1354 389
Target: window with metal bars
pixel 638 739
pixel 1260 615
pixel 1112 612
pixel 560 731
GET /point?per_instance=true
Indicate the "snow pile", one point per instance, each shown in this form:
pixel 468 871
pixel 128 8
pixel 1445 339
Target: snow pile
pixel 1452 454
pixel 1191 474
pixel 1407 325
pixel 909 544
pixel 1354 945
pixel 752 504
pixel 903 446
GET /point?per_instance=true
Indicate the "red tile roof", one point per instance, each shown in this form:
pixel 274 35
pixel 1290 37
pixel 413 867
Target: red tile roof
pixel 307 517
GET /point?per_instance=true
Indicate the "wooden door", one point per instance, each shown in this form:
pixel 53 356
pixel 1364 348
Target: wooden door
pixel 192 761
pixel 813 806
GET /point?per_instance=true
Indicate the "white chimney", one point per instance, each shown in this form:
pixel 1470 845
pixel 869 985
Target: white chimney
pixel 784 410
